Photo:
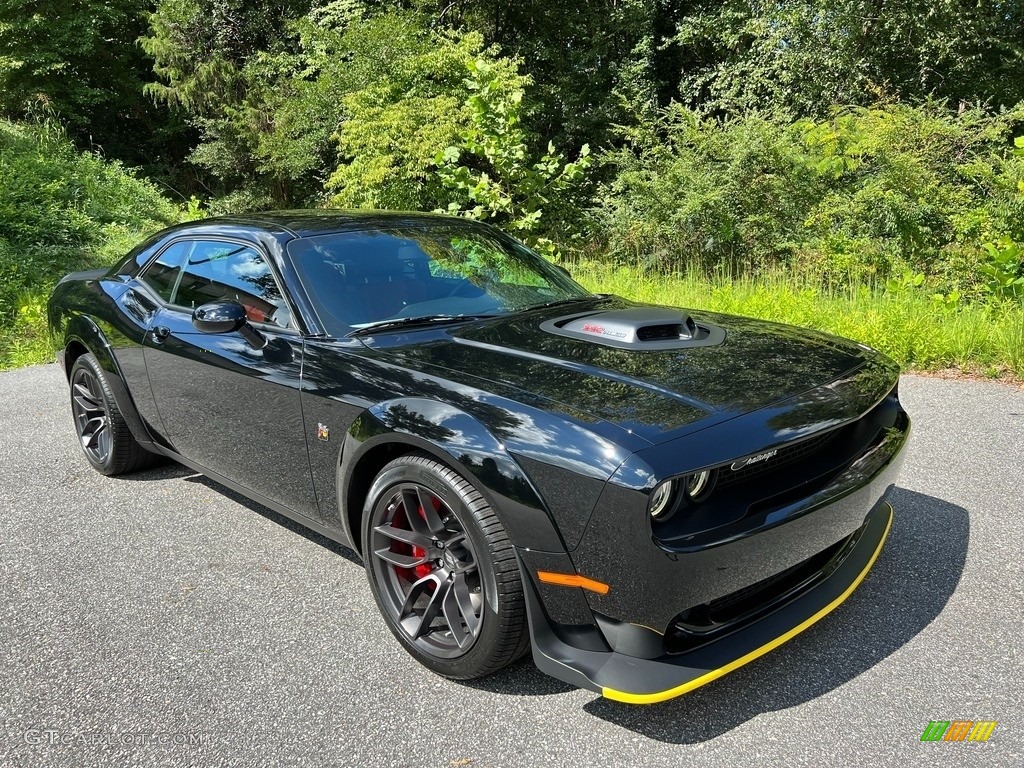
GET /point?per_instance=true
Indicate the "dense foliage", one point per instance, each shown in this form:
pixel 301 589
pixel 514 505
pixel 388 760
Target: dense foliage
pixel 78 59
pixel 866 193
pixel 804 57
pixel 847 142
pixel 60 210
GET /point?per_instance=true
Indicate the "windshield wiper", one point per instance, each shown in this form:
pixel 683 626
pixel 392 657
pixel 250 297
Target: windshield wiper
pixel 560 302
pixel 406 322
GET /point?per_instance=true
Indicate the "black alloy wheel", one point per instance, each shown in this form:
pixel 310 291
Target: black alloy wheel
pixel 427 565
pixel 105 437
pixel 442 569
pixel 92 422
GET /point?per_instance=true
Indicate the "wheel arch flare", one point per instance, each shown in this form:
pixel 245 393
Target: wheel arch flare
pixel 456 438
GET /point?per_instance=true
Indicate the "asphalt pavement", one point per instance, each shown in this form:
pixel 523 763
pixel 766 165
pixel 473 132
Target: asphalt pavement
pixel 160 619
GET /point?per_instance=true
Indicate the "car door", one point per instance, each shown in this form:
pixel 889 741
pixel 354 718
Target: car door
pixel 224 404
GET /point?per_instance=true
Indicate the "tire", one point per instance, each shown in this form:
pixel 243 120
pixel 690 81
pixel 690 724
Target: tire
pixel 103 434
pixel 453 563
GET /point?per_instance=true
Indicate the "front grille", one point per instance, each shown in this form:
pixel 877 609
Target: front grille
pixel 744 498
pixel 787 454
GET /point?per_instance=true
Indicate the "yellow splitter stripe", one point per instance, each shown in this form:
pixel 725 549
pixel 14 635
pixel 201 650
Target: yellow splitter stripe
pixel 697 682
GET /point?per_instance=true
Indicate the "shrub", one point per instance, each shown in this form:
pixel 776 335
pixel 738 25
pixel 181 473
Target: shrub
pixel 690 190
pixel 911 187
pixel 403 92
pixel 433 121
pixel 489 173
pixel 858 197
pixel 60 210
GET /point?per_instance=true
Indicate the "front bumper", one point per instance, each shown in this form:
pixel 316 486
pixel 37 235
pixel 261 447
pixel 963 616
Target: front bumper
pixel 634 680
pixel 655 575
pixel 660 608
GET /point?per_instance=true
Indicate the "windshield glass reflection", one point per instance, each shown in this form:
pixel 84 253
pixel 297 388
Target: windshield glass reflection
pixel 359 279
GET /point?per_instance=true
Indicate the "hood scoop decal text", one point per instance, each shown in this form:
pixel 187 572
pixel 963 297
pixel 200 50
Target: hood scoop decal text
pixel 637 328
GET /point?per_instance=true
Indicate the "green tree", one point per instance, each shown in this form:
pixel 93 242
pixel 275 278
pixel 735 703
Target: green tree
pixel 804 57
pixel 489 173
pixel 78 60
pixel 588 61
pixel 405 102
pixel 210 57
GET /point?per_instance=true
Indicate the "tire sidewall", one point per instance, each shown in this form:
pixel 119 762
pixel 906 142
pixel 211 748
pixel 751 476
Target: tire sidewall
pixel 464 666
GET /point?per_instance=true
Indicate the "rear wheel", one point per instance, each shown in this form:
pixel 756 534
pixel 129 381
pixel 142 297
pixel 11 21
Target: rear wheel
pixel 442 569
pixel 106 440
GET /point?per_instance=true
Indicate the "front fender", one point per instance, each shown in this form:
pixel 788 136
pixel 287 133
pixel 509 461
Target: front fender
pixel 462 441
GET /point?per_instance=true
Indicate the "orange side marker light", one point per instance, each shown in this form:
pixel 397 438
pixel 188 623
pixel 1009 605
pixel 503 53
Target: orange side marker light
pixel 573 580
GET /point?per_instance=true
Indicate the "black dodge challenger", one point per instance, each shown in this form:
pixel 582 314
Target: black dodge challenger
pixel 647 497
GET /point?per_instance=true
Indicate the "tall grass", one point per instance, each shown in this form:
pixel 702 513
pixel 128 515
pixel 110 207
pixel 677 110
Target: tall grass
pixel 909 325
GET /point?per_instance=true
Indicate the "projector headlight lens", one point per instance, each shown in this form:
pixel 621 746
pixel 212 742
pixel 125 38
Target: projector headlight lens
pixel 662 498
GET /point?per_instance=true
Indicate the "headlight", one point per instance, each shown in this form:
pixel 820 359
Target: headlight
pixel 664 498
pixel 697 483
pixel 661 498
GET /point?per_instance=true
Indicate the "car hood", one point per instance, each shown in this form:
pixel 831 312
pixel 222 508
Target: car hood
pixel 657 394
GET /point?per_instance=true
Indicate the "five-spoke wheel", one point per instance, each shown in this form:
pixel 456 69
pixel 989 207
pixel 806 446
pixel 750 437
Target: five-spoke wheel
pixel 427 570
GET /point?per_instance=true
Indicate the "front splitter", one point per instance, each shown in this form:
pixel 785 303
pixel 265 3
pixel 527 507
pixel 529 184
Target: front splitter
pixel 648 681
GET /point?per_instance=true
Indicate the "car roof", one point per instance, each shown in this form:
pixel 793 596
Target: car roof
pixel 308 223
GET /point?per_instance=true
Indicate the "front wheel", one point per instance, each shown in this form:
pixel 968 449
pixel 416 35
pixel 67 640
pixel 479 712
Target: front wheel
pixel 442 569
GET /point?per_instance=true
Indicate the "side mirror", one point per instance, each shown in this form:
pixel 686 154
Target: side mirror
pixel 219 317
pixel 227 317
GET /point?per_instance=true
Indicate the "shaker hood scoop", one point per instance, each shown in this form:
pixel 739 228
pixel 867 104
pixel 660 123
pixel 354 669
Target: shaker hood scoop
pixel 637 328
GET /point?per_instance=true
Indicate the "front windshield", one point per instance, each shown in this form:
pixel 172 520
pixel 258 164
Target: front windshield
pixel 358 279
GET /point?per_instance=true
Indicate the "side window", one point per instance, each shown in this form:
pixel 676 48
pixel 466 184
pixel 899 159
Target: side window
pixel 139 256
pixel 162 275
pixel 218 271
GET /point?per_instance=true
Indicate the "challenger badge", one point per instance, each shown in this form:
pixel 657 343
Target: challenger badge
pixel 741 463
pixel 322 432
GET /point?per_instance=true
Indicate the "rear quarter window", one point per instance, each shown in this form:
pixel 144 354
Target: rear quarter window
pixel 162 275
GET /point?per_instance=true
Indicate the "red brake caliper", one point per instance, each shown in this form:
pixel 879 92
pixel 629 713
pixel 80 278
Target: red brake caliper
pixel 424 568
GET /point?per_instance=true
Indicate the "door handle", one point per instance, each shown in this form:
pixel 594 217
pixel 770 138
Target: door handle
pixel 159 333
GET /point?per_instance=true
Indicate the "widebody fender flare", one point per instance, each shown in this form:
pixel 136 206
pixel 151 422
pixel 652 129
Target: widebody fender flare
pixel 81 330
pixel 460 440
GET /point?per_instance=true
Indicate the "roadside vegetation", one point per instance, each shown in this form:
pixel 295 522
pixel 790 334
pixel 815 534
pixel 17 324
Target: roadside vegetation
pixel 60 210
pixel 856 167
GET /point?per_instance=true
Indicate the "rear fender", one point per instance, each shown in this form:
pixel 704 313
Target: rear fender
pixel 82 330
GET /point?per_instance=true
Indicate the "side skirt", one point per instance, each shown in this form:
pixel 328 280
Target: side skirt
pixel 336 535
